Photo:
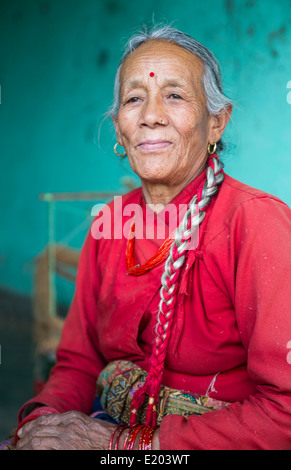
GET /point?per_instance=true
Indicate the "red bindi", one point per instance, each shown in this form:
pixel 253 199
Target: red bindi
pixel 152 74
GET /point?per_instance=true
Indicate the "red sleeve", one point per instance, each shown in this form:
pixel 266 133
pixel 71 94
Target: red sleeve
pixel 72 382
pixel 260 235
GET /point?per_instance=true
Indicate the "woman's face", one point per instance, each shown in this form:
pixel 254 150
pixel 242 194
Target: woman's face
pixel 163 122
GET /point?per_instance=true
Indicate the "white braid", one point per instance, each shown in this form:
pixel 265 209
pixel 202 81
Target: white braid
pixel 183 235
pixel 194 216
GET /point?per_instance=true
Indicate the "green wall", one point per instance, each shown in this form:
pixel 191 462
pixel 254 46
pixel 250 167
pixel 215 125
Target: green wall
pixel 57 64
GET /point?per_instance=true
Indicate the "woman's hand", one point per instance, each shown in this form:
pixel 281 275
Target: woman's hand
pixel 68 431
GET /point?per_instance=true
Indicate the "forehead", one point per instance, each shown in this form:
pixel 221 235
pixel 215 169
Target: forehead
pixel 162 57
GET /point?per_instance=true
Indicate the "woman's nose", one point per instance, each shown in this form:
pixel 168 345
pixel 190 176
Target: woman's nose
pixel 153 113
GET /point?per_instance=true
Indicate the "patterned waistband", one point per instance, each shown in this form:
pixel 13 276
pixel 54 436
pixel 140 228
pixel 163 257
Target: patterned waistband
pixel 118 382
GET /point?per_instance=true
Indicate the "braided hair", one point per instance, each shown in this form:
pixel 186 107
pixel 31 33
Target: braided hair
pixel 168 292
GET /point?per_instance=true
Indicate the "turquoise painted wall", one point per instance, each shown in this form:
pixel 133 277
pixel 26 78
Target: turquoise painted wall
pixel 57 64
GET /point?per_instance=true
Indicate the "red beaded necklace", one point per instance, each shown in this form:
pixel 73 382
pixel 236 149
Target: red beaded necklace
pixel 161 255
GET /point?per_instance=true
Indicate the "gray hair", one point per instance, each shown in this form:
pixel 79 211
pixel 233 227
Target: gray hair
pixel 211 81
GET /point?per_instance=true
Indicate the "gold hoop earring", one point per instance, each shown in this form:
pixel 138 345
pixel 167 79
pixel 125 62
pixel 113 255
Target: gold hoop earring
pixel 211 152
pixel 116 153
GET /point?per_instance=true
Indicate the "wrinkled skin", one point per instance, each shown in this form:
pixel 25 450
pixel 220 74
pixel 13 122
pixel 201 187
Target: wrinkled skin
pixel 68 431
pixel 163 121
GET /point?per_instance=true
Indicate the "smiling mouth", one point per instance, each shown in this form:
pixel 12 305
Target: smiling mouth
pixel 154 145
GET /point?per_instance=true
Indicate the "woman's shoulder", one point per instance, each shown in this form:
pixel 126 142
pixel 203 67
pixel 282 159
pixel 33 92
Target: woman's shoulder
pixel 236 196
pixel 242 192
pixel 239 206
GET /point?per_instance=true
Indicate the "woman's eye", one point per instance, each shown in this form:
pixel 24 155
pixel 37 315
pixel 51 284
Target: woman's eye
pixel 175 96
pixel 134 99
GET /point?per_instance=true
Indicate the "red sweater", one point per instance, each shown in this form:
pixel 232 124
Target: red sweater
pixel 231 338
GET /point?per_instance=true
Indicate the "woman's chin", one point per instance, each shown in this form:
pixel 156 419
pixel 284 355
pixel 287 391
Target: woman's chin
pixel 155 178
pixel 160 173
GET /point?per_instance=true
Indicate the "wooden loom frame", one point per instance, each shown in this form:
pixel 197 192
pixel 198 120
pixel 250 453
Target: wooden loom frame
pixel 56 259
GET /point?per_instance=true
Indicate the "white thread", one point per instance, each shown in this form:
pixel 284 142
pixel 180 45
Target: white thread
pixel 211 388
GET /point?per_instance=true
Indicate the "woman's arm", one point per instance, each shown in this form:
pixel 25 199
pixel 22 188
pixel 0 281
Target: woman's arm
pixel 260 233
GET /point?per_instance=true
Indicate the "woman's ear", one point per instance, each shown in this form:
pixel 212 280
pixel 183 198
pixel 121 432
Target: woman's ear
pixel 218 124
pixel 117 130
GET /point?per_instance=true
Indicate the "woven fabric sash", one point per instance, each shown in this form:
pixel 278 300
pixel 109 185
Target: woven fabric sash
pixel 118 382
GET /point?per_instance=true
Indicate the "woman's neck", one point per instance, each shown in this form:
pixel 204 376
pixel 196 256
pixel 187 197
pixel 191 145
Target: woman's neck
pixel 159 195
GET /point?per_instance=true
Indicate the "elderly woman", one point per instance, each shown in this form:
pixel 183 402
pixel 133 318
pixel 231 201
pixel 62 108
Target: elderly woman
pixel 189 336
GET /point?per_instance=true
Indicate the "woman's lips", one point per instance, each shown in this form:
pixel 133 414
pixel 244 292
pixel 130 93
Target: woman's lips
pixel 154 145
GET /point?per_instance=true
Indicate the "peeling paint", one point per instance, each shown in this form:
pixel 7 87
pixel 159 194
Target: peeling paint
pixel 279 34
pixel 229 4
